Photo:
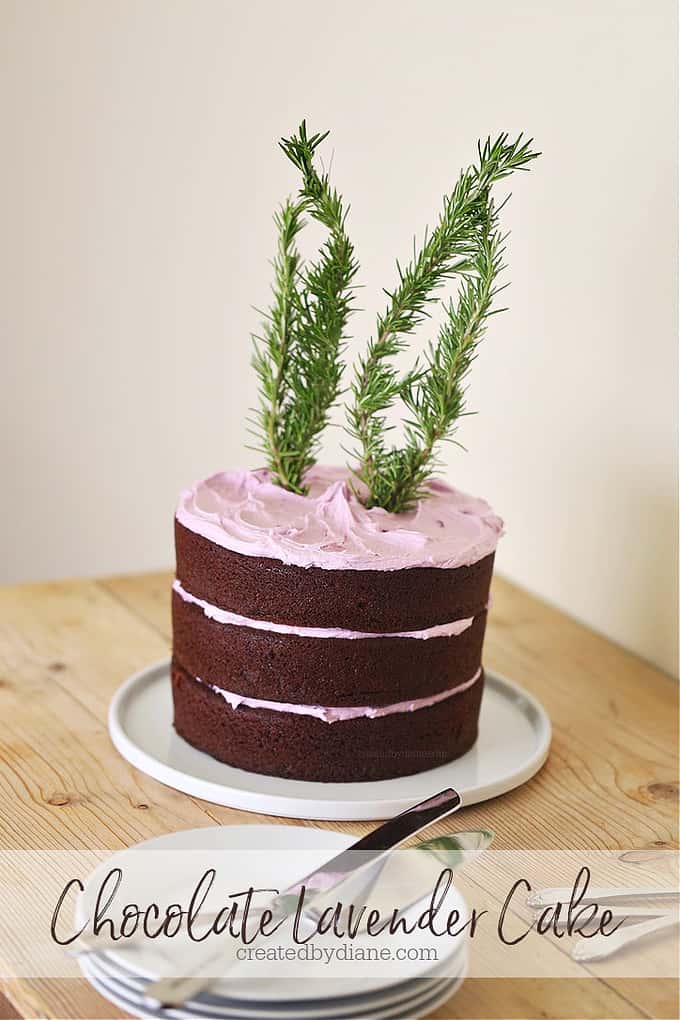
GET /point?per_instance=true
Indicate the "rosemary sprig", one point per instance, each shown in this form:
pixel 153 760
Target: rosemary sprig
pixel 273 351
pixel 298 358
pixel 435 399
pixel 465 242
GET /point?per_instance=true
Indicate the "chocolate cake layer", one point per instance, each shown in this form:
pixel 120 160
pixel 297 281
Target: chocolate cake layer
pixel 321 671
pixel 303 747
pixel 364 600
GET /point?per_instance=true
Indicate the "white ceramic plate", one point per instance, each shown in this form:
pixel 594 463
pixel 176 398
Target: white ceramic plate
pixel 514 738
pixel 410 1007
pixel 410 995
pixel 266 856
pixel 318 1009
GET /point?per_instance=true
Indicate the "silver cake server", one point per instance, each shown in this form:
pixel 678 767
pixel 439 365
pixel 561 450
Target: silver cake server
pixel 454 851
pixel 361 856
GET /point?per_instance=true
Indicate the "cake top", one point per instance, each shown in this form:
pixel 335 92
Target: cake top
pixel 330 528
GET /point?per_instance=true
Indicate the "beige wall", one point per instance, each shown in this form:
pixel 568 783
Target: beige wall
pixel 138 177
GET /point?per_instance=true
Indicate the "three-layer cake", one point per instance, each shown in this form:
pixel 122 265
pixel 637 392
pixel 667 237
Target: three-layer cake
pixel 316 639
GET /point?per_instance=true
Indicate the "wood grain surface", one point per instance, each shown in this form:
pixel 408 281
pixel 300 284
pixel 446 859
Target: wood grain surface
pixel 611 780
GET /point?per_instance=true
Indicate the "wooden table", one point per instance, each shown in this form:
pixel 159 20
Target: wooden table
pixel 611 780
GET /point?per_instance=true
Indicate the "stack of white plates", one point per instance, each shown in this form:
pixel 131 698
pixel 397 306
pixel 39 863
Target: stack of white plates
pixel 407 999
pixel 265 856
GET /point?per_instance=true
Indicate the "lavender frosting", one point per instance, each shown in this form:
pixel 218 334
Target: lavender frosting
pixel 331 715
pixel 244 511
pixel 452 629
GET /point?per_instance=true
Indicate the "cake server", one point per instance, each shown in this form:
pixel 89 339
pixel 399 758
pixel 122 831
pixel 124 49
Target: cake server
pixel 362 855
pixel 454 850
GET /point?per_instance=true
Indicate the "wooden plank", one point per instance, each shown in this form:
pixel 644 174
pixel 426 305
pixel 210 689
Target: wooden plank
pixel 7 1010
pixel 64 649
pixel 146 595
pixel 526 999
pixel 61 999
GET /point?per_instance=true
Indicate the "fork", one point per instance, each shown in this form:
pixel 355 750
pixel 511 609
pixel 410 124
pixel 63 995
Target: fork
pixel 549 897
pixel 600 946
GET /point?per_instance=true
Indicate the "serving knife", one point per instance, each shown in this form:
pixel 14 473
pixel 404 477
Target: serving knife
pixel 361 856
pixel 455 850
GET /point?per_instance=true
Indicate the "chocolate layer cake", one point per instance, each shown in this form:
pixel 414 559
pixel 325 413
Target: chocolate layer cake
pixel 318 640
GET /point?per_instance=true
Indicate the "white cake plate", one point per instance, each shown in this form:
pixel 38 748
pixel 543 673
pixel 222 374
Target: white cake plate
pixel 514 738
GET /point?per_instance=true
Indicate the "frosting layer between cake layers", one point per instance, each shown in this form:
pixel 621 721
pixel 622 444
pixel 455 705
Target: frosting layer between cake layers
pixel 303 747
pixel 451 629
pixel 292 667
pixel 340 713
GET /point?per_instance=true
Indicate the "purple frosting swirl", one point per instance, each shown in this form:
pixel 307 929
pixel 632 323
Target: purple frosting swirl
pixel 329 528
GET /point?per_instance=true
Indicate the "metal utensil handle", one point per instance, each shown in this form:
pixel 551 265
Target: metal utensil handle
pixel 618 912
pixel 174 992
pixel 548 897
pixel 600 946
pixel 377 843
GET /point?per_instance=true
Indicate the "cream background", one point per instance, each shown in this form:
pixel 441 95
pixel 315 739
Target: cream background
pixel 138 178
